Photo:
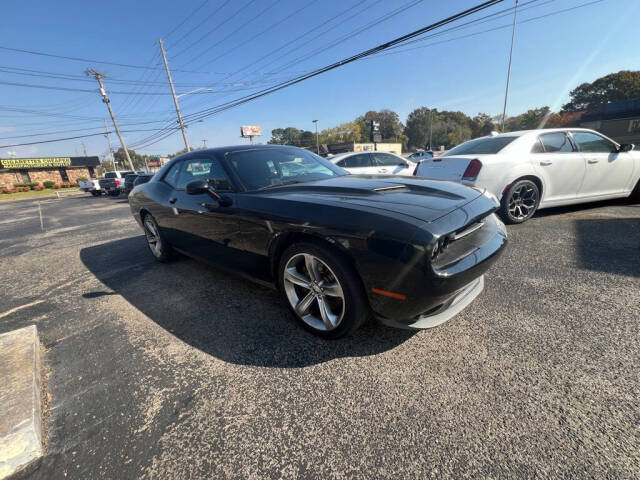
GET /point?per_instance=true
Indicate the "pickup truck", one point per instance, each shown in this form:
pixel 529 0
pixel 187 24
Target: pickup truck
pixel 92 186
pixel 113 182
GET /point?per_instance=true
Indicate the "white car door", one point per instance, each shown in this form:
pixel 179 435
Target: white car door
pixel 389 164
pixel 560 165
pixel 358 164
pixel 607 170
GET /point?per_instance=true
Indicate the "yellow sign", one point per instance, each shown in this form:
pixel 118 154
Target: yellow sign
pixel 35 162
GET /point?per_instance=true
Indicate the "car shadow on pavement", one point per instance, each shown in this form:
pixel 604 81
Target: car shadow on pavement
pixel 222 314
pixel 610 245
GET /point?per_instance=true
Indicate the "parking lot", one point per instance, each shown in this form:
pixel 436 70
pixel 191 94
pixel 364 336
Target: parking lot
pixel 181 370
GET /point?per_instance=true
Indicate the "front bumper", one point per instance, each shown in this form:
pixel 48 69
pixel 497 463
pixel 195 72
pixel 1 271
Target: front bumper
pixel 451 308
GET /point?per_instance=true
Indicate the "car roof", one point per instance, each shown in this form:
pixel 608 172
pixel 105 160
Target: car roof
pixel 538 131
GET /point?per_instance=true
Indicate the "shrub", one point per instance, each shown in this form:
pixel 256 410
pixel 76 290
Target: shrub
pixel 48 184
pixel 38 188
pixel 65 185
pixel 8 190
pixel 82 179
pixel 73 184
pixel 57 186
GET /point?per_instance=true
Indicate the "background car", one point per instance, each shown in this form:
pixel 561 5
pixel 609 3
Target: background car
pixel 142 178
pixel 420 156
pixel 374 163
pixel 339 247
pixel 533 169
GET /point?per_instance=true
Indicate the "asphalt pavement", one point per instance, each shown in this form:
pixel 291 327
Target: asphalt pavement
pixel 181 370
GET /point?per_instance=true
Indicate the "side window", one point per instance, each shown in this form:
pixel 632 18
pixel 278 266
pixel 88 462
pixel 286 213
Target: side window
pixel 357 161
pixel 556 142
pixel 386 160
pixel 537 147
pixel 592 143
pixel 202 168
pixel 171 177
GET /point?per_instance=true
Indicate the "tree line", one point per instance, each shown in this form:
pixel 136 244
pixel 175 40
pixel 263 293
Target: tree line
pixel 430 128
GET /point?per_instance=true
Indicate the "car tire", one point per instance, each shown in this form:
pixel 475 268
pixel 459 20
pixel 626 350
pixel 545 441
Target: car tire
pixel 635 193
pixel 333 284
pixel 158 245
pixel 94 193
pixel 520 202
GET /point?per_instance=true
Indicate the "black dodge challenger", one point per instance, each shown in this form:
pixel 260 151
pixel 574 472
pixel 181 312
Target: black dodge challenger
pixel 340 248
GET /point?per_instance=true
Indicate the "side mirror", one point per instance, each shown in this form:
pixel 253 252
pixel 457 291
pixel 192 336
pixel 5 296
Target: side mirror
pixel 625 147
pixel 197 187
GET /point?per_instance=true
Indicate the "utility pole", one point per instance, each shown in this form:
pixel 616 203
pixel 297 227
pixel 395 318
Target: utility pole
pixel 175 98
pixel 106 134
pixel 204 143
pixel 506 90
pixel 430 128
pixel 84 149
pixel 317 141
pixel 98 76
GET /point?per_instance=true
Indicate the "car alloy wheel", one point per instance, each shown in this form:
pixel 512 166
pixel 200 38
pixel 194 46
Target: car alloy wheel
pixel 520 202
pixel 314 292
pixel 153 236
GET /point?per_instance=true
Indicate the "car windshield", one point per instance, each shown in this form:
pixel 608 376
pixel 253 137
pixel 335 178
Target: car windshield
pixel 484 145
pixel 269 167
pixel 110 175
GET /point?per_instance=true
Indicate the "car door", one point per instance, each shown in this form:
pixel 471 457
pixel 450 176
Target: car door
pixel 389 164
pixel 607 170
pixel 562 168
pixel 359 164
pixel 202 226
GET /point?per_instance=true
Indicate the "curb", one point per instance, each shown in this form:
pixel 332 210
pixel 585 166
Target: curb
pixel 20 409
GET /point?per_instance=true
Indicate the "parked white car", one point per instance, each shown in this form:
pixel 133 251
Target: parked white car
pixel 374 163
pixel 420 156
pixel 534 169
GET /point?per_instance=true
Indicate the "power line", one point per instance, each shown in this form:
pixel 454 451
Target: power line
pixel 173 30
pixel 202 22
pixel 79 59
pixel 372 51
pixel 68 138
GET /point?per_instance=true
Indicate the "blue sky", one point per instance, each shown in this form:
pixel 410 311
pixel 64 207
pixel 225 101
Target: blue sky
pixel 551 56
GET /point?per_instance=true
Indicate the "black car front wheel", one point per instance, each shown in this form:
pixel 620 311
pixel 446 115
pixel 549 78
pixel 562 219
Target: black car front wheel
pixel 322 290
pixel 520 202
pixel 156 242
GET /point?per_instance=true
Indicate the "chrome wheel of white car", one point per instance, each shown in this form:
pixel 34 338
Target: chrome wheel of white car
pixel 520 202
pixel 314 292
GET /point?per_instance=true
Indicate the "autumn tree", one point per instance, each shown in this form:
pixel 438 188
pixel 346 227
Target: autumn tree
pixel 615 87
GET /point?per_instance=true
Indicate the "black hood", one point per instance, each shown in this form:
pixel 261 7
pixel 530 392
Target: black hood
pixel 426 200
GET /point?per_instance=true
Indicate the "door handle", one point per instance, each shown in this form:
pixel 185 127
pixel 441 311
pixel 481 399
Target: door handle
pixel 545 162
pixel 173 200
pixel 592 160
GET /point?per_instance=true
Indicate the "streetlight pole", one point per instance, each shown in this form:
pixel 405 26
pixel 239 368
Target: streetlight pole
pixel 175 98
pixel 317 140
pixel 506 90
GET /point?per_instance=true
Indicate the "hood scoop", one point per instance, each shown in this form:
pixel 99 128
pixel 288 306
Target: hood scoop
pixel 391 188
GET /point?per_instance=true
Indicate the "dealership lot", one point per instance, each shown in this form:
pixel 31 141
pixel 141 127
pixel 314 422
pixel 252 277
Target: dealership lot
pixel 182 371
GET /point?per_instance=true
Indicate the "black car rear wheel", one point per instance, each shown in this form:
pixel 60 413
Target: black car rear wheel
pixel 322 290
pixel 520 202
pixel 156 242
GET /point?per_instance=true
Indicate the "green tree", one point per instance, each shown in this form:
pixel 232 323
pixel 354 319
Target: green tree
pixel 391 128
pixel 345 132
pixel 482 125
pixel 137 159
pixel 417 128
pixel 615 87
pixel 529 120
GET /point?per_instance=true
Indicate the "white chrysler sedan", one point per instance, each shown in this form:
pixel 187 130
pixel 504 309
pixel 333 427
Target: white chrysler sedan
pixel 534 169
pixel 374 163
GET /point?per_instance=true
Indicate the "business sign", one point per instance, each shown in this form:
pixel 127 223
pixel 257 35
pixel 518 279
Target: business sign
pixel 250 131
pixel 48 162
pixel 36 162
